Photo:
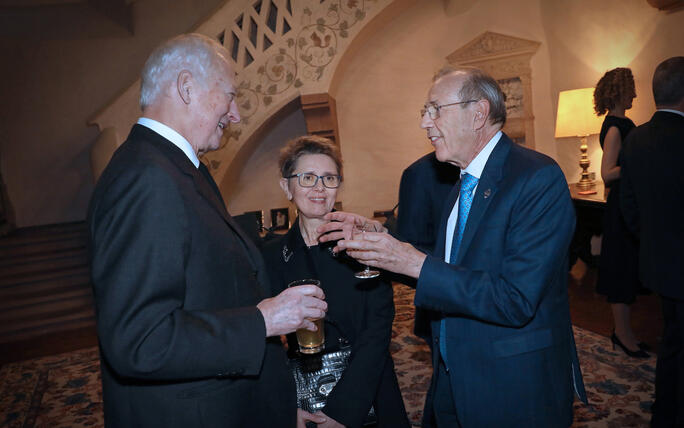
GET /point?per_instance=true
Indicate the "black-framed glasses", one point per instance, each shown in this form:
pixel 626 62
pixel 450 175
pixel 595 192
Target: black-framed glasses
pixel 307 179
pixel 432 108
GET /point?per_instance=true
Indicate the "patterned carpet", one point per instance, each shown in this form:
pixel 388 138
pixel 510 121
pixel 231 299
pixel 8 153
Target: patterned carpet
pixel 64 390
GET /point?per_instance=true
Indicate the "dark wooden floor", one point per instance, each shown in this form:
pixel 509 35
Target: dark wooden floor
pixel 588 309
pixel 591 311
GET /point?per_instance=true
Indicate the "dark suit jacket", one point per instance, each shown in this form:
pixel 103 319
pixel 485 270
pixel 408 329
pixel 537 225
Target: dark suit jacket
pixel 652 200
pixel 510 348
pixel 423 191
pixel 176 283
pixel 363 310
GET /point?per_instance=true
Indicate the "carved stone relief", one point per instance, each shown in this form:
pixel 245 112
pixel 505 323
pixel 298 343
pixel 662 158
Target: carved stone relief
pixel 507 59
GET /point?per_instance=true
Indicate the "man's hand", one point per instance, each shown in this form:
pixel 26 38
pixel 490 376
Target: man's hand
pixel 292 309
pixel 340 225
pixel 303 417
pixel 385 252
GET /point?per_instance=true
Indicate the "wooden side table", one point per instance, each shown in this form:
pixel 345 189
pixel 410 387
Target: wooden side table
pixel 589 211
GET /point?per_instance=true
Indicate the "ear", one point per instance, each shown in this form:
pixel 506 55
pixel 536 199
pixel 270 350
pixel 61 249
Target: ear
pixel 481 110
pixel 184 85
pixel 285 185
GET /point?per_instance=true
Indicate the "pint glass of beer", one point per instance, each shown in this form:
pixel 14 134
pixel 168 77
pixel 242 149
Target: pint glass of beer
pixel 310 342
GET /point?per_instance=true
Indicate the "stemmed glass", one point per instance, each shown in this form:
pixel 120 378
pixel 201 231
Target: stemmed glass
pixel 357 234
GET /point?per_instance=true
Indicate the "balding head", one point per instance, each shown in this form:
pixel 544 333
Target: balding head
pixel 668 83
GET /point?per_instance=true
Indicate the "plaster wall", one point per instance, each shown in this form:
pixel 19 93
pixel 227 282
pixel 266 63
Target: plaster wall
pixel 386 82
pixel 53 85
pixel 587 38
pixel 256 187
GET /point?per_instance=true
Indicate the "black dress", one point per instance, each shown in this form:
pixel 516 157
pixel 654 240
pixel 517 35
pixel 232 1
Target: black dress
pixel 618 276
pixel 363 309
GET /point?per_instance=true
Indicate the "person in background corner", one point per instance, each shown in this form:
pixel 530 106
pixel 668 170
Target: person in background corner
pixel 652 200
pixel 423 191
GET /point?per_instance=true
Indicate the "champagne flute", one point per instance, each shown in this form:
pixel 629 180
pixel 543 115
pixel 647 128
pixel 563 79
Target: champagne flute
pixel 357 234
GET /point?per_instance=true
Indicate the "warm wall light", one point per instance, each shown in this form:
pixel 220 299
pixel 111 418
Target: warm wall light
pixel 576 118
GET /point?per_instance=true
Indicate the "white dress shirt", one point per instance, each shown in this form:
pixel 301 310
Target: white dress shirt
pixel 173 136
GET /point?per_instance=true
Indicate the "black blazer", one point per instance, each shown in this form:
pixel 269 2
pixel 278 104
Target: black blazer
pixel 364 310
pixel 176 283
pixel 652 200
pixel 423 191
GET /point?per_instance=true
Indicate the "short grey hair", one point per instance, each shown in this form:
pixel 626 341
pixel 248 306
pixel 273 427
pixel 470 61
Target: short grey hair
pixel 479 85
pixel 193 52
pixel 668 82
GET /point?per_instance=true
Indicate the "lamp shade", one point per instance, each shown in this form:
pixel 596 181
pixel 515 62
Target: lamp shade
pixel 576 117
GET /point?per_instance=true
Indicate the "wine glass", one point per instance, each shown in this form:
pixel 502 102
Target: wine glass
pixel 357 234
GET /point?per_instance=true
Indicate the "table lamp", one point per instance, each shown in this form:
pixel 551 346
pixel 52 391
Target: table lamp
pixel 576 118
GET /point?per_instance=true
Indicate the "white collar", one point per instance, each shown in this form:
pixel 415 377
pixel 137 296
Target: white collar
pixel 477 165
pixel 171 135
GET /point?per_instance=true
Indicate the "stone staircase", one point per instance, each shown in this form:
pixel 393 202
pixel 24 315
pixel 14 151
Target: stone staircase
pixel 46 303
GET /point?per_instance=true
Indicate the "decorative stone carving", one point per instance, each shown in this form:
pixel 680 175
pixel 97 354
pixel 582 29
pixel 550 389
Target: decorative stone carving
pixel 507 59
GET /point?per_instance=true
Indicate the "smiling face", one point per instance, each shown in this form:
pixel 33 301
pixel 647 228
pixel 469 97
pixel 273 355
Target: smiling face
pixel 453 133
pixel 317 201
pixel 215 109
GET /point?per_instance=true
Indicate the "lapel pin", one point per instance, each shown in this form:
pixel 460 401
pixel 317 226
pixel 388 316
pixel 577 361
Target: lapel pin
pixel 487 193
pixel 287 254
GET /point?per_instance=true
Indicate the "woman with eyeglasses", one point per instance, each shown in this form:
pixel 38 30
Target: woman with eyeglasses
pixel 359 310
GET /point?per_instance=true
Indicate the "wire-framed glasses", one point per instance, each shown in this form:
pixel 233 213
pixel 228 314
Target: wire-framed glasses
pixel 432 108
pixel 307 179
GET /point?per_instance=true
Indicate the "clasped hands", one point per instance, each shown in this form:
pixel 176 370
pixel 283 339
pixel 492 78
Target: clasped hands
pixel 378 249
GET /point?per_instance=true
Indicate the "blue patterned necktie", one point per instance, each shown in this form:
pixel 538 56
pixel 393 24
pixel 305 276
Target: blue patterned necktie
pixel 465 201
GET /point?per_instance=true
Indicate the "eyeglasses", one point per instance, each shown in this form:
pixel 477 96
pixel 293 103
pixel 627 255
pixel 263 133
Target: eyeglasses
pixel 433 109
pixel 307 179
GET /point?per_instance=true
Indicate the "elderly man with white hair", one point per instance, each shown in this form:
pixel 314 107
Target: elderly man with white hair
pixel 188 332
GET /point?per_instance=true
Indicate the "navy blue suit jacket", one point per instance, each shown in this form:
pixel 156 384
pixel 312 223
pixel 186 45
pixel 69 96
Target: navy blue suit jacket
pixel 510 347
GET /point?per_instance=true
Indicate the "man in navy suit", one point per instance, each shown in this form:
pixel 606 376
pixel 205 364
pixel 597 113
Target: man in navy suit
pixel 652 201
pixel 498 278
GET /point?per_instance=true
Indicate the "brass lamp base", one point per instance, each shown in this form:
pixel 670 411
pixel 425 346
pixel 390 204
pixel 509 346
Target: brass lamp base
pixel 585 182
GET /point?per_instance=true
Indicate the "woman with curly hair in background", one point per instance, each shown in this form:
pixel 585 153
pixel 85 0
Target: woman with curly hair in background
pixel 618 276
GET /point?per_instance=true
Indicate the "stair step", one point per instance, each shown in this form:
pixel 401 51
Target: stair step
pixel 33 271
pixel 39 258
pixel 58 274
pixel 38 313
pixel 56 325
pixel 40 234
pixel 18 305
pixel 19 252
pixel 21 291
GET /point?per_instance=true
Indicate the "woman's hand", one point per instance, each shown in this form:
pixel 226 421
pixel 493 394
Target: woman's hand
pixel 341 223
pixel 303 417
pixel 329 423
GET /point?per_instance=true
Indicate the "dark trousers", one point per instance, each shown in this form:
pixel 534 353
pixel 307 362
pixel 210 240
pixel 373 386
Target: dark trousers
pixel 668 408
pixel 444 410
